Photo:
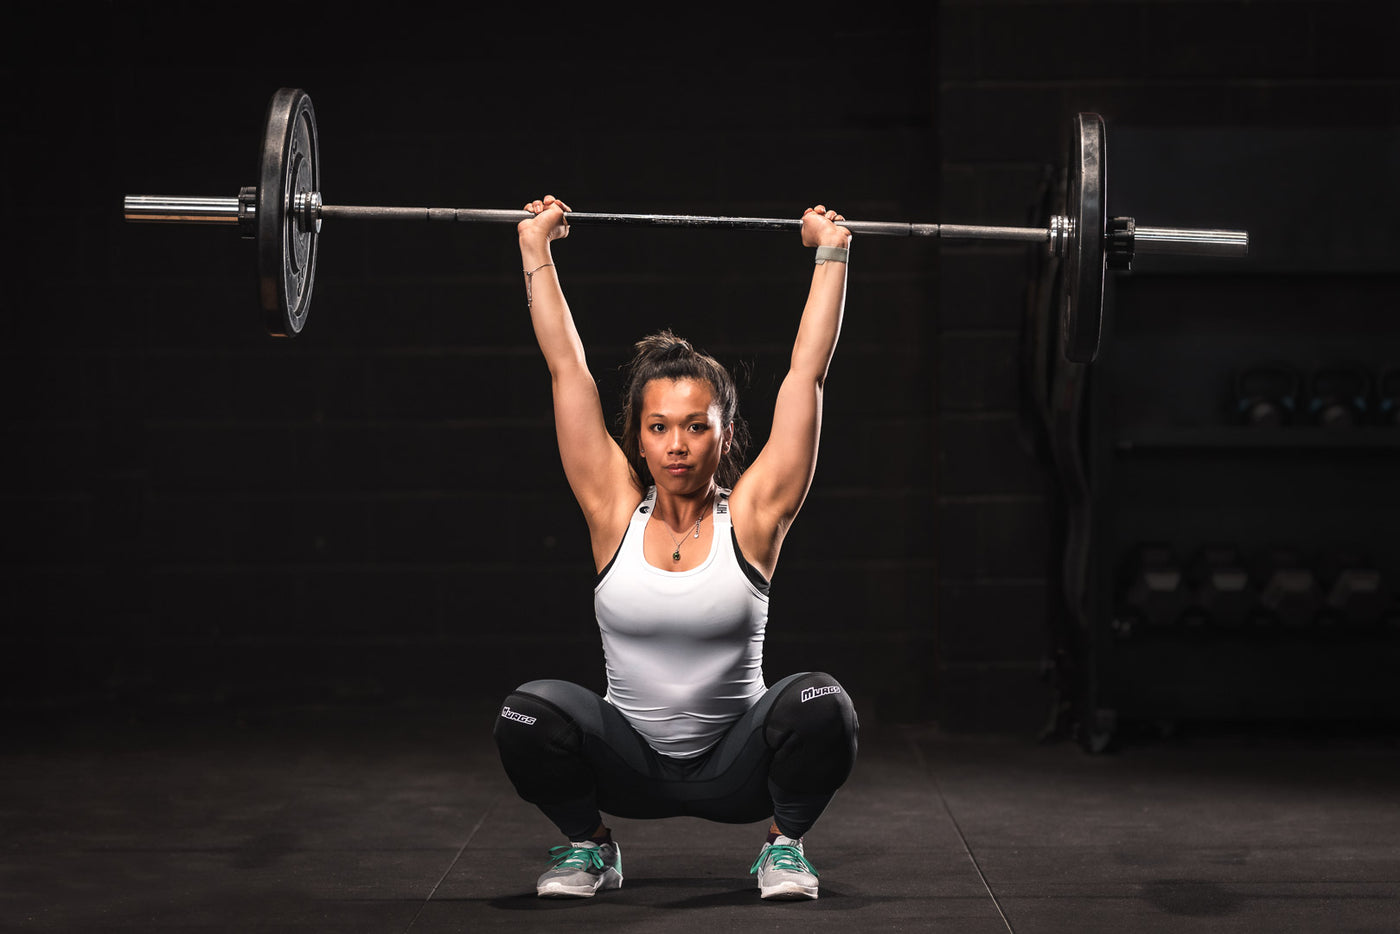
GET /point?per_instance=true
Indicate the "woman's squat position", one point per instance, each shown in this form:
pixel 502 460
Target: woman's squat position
pixel 685 541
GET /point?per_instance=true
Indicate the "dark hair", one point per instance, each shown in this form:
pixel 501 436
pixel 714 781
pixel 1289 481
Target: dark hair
pixel 665 356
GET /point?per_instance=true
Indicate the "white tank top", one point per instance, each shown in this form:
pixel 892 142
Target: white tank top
pixel 683 649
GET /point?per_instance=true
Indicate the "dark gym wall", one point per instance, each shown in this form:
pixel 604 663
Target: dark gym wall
pixel 376 510
pixel 1010 74
pixel 196 513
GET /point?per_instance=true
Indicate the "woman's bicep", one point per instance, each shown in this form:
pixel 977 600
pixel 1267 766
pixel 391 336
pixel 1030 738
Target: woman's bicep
pixel 781 474
pixel 593 463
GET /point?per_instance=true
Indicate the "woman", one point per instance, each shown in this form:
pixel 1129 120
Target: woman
pixel 684 544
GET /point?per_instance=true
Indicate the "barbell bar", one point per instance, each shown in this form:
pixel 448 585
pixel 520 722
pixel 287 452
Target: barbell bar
pixel 188 210
pixel 284 213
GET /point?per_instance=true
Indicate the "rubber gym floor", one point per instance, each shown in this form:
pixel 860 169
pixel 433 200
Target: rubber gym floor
pixel 399 819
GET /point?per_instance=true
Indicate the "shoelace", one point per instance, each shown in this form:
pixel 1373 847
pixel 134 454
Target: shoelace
pixel 784 857
pixel 577 857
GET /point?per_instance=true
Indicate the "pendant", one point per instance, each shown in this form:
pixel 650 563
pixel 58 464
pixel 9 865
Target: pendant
pixel 676 555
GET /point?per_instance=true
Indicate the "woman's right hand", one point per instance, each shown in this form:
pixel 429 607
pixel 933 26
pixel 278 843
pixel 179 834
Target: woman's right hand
pixel 548 223
pixel 820 227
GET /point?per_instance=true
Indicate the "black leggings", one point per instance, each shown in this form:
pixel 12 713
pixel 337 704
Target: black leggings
pixel 572 754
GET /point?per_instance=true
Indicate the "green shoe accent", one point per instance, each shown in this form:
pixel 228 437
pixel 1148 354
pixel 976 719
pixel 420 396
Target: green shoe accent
pixel 784 872
pixel 580 870
pixel 785 857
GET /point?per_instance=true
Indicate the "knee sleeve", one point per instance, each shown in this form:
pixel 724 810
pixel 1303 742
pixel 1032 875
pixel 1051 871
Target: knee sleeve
pixel 813 731
pixel 541 747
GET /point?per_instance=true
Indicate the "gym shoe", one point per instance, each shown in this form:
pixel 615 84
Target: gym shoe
pixel 783 872
pixel 580 869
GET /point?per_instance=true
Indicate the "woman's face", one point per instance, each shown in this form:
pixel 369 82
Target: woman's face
pixel 682 434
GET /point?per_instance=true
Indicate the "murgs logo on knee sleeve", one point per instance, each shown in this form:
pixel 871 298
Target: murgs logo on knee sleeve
pixel 809 693
pixel 518 717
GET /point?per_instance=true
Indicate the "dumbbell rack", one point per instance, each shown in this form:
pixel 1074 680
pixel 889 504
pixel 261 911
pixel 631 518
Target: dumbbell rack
pixel 1173 461
pixel 1297 642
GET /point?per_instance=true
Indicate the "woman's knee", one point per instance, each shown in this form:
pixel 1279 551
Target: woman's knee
pixel 531 718
pixel 540 744
pixel 814 702
pixel 813 730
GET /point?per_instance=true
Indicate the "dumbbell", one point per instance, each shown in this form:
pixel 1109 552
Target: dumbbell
pixel 1153 592
pixel 1356 593
pixel 1289 592
pixel 1220 586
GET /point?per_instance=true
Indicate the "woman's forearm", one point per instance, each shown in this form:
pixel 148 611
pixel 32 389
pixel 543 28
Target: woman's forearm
pixel 821 322
pixel 826 300
pixel 549 311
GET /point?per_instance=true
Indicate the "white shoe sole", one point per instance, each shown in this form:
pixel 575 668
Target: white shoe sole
pixel 611 879
pixel 787 891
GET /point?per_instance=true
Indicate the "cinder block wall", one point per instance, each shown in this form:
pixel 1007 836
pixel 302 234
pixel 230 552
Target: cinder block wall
pixel 193 512
pixel 197 513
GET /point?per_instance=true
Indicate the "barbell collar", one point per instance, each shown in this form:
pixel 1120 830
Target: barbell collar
pixel 1118 243
pixel 248 212
pixel 1058 234
pixel 307 208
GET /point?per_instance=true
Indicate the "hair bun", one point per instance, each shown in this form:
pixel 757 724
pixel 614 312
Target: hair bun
pixel 663 344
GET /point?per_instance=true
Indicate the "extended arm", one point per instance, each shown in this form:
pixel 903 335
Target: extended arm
pixel 597 471
pixel 770 493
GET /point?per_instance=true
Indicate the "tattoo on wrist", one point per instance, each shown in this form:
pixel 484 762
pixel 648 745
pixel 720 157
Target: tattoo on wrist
pixel 530 283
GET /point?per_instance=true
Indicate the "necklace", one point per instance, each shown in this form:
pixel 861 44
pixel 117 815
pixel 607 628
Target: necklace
pixel 676 555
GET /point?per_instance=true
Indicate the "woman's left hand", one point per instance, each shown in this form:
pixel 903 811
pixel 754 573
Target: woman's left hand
pixel 549 222
pixel 820 228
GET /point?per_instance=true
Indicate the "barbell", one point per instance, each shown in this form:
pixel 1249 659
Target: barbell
pixel 285 210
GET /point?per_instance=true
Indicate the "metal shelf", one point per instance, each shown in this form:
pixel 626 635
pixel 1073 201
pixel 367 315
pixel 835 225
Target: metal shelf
pixel 1227 437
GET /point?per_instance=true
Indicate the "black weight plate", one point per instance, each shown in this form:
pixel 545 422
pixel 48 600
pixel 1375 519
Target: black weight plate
pixel 287 252
pixel 1081 304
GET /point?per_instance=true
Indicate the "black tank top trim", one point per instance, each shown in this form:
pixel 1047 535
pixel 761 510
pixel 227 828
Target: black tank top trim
pixel 752 573
pixel 608 567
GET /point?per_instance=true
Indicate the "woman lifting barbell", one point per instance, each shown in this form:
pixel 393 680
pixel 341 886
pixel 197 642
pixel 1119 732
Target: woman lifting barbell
pixel 685 541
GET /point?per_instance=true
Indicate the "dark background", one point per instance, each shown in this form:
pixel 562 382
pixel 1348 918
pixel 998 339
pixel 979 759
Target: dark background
pixel 195 514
